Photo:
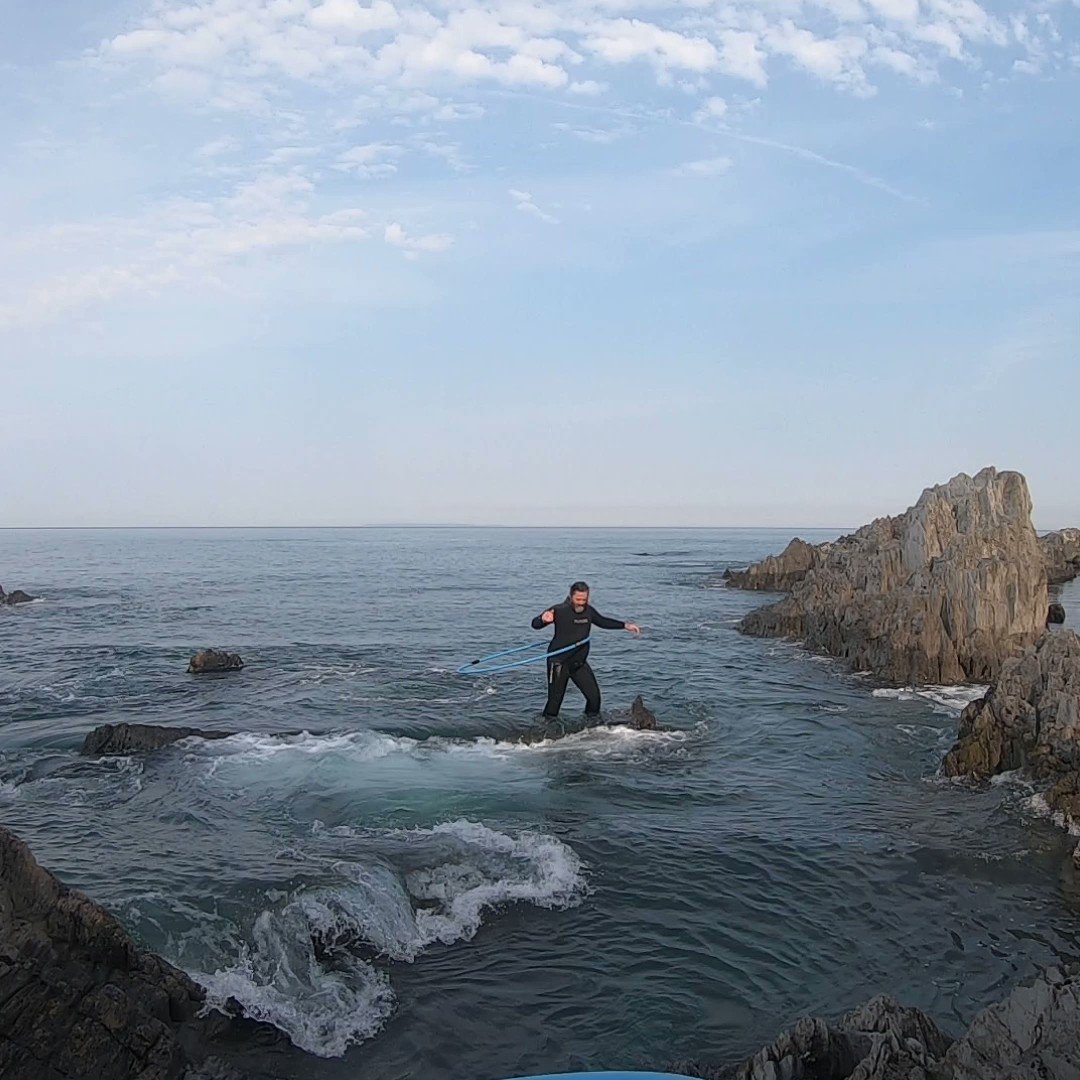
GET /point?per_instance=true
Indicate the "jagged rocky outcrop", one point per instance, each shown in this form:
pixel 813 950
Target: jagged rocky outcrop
pixel 78 997
pixel 641 717
pixel 943 593
pixel 1033 1035
pixel 209 660
pixel 1029 719
pixel 780 573
pixel 16 597
pixel 1061 553
pixel 138 738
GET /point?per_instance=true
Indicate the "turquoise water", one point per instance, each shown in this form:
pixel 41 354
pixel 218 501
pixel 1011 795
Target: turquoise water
pixel 406 891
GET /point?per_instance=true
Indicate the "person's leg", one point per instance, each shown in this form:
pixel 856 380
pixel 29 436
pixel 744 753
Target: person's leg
pixel 558 675
pixel 585 681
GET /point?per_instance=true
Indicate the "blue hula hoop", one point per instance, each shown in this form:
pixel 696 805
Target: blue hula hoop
pixel 483 666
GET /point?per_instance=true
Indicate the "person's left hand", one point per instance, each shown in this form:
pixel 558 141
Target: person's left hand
pixel 633 628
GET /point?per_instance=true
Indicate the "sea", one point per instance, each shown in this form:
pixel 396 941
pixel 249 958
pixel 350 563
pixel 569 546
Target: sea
pixel 376 864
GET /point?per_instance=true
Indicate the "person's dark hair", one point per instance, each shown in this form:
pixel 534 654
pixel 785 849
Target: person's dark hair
pixel 579 586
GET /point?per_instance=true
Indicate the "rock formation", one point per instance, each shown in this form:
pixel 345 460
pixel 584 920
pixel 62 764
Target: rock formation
pixel 1033 1035
pixel 943 593
pixel 212 660
pixel 638 716
pixel 17 597
pixel 1061 552
pixel 78 997
pixel 1029 719
pixel 135 738
pixel 1055 616
pixel 780 573
pixel 642 718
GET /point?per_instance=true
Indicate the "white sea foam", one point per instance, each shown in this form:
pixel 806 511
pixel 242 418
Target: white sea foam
pixel 301 971
pixel 249 749
pixel 1040 807
pixel 279 979
pixel 948 700
pixel 487 869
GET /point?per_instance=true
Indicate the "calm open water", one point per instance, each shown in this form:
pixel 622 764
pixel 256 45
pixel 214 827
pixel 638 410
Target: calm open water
pixel 608 899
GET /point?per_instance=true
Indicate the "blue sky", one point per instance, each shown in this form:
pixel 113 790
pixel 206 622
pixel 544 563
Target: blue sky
pixel 497 261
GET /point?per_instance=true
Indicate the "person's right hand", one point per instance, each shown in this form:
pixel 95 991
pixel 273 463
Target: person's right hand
pixel 548 617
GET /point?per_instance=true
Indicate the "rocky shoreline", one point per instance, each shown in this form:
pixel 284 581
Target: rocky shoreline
pixel 1033 1035
pixel 956 589
pixel 79 999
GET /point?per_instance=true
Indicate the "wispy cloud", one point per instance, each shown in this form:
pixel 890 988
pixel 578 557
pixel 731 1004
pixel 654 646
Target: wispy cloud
pixel 413 246
pixel 370 160
pixel 177 243
pixel 525 203
pixel 708 167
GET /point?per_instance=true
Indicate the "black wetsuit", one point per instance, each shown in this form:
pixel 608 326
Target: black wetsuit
pixel 570 627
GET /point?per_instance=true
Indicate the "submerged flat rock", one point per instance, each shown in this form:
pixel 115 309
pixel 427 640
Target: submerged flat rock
pixel 140 738
pixel 16 597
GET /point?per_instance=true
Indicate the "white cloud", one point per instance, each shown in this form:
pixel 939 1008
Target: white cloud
pixel 370 160
pixel 904 11
pixel 523 200
pixel 587 88
pixel 231 51
pixel 708 167
pixel 414 246
pixel 601 136
pixel 179 243
pixel 350 17
pixel 452 112
pixel 623 40
pixel 714 108
pixel 741 57
pixel 832 59
pixel 217 147
pixel 451 153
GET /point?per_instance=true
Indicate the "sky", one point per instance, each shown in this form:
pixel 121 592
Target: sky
pixel 586 262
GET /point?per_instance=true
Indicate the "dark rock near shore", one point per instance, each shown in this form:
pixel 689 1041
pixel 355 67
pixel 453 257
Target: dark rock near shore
pixel 1055 616
pixel 1061 551
pixel 16 597
pixel 944 593
pixel 780 573
pixel 1033 1035
pixel 638 716
pixel 209 660
pixel 1030 720
pixel 137 738
pixel 78 997
pixel 641 717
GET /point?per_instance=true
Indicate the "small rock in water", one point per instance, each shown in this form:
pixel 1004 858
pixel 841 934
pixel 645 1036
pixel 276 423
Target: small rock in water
pixel 213 660
pixel 17 597
pixel 641 717
pixel 133 738
pixel 1056 614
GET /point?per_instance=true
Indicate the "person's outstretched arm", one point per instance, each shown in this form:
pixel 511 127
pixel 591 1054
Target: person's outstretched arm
pixel 611 624
pixel 545 618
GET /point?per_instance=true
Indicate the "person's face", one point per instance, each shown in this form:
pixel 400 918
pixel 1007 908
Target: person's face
pixel 579 599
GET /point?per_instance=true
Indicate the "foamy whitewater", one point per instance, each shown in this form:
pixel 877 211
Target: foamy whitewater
pixel 377 864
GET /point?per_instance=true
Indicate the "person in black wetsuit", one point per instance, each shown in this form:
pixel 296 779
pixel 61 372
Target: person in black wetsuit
pixel 574 619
